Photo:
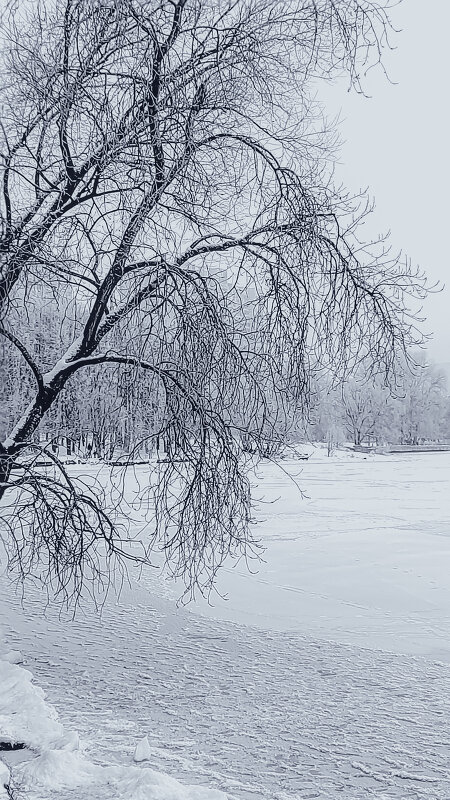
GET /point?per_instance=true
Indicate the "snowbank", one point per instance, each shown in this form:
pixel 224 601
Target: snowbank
pixel 25 717
pixel 62 769
pixel 51 759
pixel 4 780
pixel 318 451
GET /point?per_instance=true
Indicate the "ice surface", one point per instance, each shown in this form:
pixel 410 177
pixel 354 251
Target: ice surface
pixel 364 559
pixel 292 706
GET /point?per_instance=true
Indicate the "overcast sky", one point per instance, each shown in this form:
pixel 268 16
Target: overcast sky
pixel 397 141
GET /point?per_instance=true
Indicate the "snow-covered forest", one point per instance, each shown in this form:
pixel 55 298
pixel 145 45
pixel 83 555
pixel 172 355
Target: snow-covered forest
pixel 415 410
pixel 118 413
pixel 194 331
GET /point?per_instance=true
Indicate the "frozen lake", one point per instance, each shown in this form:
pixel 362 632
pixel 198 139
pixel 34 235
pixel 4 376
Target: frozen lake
pixel 363 558
pixel 301 701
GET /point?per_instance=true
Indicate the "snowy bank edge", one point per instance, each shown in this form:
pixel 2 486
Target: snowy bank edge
pixel 52 757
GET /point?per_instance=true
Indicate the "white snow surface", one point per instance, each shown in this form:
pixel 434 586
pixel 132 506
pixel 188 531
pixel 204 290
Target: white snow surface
pixel 25 717
pixel 364 559
pixel 62 773
pixel 51 763
pixel 4 779
pixel 336 687
pixel 143 750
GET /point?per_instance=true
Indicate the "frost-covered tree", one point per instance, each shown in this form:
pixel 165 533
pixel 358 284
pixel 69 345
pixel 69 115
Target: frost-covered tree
pixel 422 403
pixel 166 198
pixel 366 404
pixel 324 418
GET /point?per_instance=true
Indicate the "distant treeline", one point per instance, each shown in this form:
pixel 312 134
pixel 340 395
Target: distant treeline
pixel 414 408
pixel 103 414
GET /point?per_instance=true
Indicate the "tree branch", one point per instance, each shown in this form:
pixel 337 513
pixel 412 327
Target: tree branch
pixel 26 355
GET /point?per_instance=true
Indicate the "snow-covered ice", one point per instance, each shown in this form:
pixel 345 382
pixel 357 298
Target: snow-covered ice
pixel 364 559
pixel 44 761
pixel 337 687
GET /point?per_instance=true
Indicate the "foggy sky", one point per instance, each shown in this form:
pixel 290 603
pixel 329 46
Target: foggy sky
pixel 396 143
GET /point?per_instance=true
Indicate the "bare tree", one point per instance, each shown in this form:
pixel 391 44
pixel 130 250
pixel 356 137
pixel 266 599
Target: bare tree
pixel 322 418
pixel 365 403
pixel 421 402
pixel 166 195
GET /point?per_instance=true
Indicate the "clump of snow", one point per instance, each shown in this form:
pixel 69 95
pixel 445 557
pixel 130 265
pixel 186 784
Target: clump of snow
pixel 13 657
pixel 53 760
pixel 142 751
pixel 134 783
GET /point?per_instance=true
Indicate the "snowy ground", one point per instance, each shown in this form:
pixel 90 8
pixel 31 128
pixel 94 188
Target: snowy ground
pixel 320 695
